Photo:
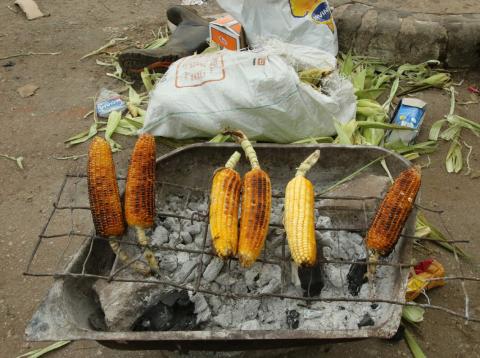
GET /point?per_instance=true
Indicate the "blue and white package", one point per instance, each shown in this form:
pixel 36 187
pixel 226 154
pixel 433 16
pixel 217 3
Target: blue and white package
pixel 409 113
pixel 109 101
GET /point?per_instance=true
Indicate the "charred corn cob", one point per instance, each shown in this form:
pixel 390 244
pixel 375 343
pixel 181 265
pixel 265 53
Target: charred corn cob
pixel 393 214
pixel 104 197
pixel 299 215
pixel 224 203
pixel 256 205
pixel 140 193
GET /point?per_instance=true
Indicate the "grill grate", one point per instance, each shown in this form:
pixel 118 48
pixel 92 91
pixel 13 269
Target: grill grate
pixel 70 207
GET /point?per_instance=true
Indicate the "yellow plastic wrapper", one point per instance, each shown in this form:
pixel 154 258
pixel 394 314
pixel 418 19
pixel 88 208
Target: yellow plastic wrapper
pixel 419 281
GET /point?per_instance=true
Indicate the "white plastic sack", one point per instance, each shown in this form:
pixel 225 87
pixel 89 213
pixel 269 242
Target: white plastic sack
pixel 303 22
pixel 258 92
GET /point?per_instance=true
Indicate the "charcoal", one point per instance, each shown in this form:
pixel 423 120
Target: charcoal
pixel 356 277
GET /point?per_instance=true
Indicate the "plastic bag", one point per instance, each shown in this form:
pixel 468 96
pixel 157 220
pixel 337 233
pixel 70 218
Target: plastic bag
pixel 258 92
pixel 302 22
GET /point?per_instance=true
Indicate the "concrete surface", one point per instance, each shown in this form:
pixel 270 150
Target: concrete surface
pixel 411 31
pixel 35 127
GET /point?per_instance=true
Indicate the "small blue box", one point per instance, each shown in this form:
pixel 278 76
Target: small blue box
pixel 409 113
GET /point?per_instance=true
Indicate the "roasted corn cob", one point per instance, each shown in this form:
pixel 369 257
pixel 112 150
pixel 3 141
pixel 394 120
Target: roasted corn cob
pixel 256 205
pixel 104 197
pixel 299 215
pixel 224 204
pixel 140 193
pixel 392 215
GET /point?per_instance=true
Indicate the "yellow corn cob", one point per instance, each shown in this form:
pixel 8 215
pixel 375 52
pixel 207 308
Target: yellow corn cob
pixel 393 214
pixel 104 197
pixel 256 205
pixel 140 193
pixel 299 215
pixel 224 203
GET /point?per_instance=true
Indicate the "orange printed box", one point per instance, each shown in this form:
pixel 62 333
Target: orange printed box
pixel 227 33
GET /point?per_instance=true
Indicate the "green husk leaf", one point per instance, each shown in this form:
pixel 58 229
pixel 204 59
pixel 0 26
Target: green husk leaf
pixel 372 93
pixel 346 66
pixel 84 136
pixel 133 97
pixel 220 138
pixel 112 124
pixel 110 43
pixel 454 160
pixel 146 79
pixel 436 128
pixel 345 131
pixel 413 314
pixel 42 351
pixel 314 140
pixel 413 345
pixel 380 125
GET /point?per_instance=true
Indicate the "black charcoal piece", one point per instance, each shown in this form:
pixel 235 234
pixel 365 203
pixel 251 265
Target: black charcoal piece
pixel 158 318
pixel 366 321
pixel 356 277
pixel 293 319
pixel 311 279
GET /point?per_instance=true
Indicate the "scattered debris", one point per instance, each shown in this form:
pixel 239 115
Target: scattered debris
pixel 23 54
pixel 27 90
pixel 19 160
pixel 9 64
pixel 30 8
pixel 474 89
pixel 109 101
pixel 70 157
pixel 426 275
pixel 101 49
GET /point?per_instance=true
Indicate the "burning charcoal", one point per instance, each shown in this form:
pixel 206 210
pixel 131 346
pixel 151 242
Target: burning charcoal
pixel 215 303
pixel 158 318
pixel 201 307
pixel 183 257
pixel 167 261
pixel 174 239
pixel 251 325
pixel 172 224
pixel 253 274
pixel 356 277
pixel 223 320
pixel 293 319
pixel 160 236
pixel 186 273
pixel 206 259
pixel 225 279
pixel 268 273
pixel 193 229
pixel 213 269
pixel 366 321
pixel 311 279
pixel 272 287
pixel 186 237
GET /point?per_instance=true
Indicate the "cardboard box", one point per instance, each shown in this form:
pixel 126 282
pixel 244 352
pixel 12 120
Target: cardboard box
pixel 227 33
pixel 409 113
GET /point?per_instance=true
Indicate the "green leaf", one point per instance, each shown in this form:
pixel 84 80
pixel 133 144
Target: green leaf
pixel 147 79
pixel 345 131
pixel 346 66
pixel 413 314
pixel 454 160
pixel 436 128
pixel 42 351
pixel 83 137
pixel 314 140
pixel 112 124
pixel 220 138
pixel 372 93
pixel 358 80
pixel 413 345
pixel 380 125
pixel 133 96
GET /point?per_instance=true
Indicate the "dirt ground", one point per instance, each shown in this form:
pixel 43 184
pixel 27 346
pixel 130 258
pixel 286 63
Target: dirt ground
pixel 36 127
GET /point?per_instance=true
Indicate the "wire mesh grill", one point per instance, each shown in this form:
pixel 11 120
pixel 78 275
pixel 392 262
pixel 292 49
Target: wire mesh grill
pixel 70 215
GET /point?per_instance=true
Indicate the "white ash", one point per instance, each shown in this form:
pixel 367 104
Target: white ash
pixel 223 312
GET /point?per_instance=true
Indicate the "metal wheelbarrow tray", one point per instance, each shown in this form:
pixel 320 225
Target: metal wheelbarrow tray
pixel 63 315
